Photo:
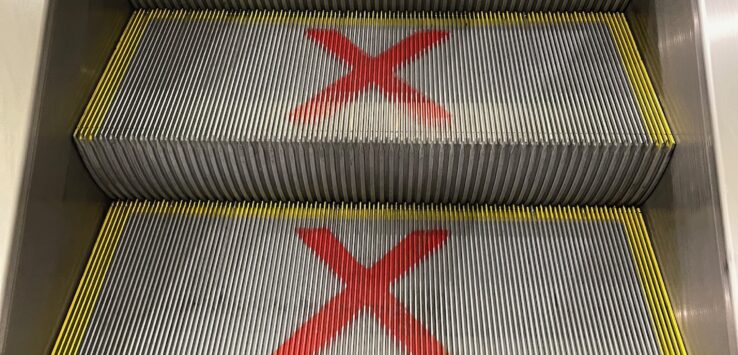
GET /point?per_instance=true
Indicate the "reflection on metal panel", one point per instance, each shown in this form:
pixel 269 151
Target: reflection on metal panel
pixel 684 212
pixel 720 37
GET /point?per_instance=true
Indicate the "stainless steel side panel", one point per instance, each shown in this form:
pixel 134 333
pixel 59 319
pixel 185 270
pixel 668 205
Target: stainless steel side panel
pixel 684 213
pixel 60 208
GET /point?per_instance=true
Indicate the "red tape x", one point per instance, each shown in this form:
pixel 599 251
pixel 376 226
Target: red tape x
pixel 366 287
pixel 367 70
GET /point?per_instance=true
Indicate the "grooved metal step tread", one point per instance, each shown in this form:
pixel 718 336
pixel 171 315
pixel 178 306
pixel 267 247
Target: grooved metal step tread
pixel 492 107
pixel 389 5
pixel 187 278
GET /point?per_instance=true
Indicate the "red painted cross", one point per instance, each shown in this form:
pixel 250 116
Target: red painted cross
pixel 366 287
pixel 366 70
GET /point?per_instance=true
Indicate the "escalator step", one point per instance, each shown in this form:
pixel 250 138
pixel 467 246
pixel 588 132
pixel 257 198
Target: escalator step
pixel 184 278
pixel 389 5
pixel 499 108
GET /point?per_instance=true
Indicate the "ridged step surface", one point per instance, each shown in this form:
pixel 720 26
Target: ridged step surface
pixel 389 5
pixel 189 278
pixel 492 107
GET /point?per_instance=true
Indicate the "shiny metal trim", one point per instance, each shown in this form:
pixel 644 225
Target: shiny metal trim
pixel 719 21
pixel 684 213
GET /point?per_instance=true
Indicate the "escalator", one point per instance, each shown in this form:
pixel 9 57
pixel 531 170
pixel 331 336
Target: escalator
pixel 439 180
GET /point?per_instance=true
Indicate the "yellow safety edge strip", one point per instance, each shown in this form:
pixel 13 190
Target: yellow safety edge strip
pixel 663 321
pixel 94 114
pixel 75 323
pixel 371 211
pixel 662 315
pixel 377 18
pixel 645 94
pixel 652 283
pixel 649 107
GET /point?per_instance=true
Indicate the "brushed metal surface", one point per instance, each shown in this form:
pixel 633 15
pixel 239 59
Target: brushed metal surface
pixel 60 207
pixel 720 38
pixel 684 213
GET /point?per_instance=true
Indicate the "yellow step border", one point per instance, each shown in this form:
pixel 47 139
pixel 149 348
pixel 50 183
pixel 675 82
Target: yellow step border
pixel 85 297
pixel 641 86
pixel 663 321
pixel 102 97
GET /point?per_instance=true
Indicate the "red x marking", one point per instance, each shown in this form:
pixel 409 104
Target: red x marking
pixel 366 70
pixel 366 287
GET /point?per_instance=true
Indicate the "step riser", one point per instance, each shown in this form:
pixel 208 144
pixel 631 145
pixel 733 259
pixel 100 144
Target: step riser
pixel 386 173
pixel 537 109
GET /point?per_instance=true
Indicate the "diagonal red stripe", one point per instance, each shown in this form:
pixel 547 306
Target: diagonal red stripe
pixel 332 252
pixel 340 46
pixel 410 47
pixel 366 70
pixel 415 247
pixel 322 327
pixel 366 288
pixel 408 330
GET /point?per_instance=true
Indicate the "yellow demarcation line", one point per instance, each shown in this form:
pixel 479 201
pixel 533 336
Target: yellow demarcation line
pixel 663 321
pixel 642 88
pixel 651 111
pixel 83 303
pixel 662 313
pixel 99 105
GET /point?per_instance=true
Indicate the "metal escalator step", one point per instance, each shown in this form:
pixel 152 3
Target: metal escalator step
pixel 494 108
pixel 389 5
pixel 186 278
